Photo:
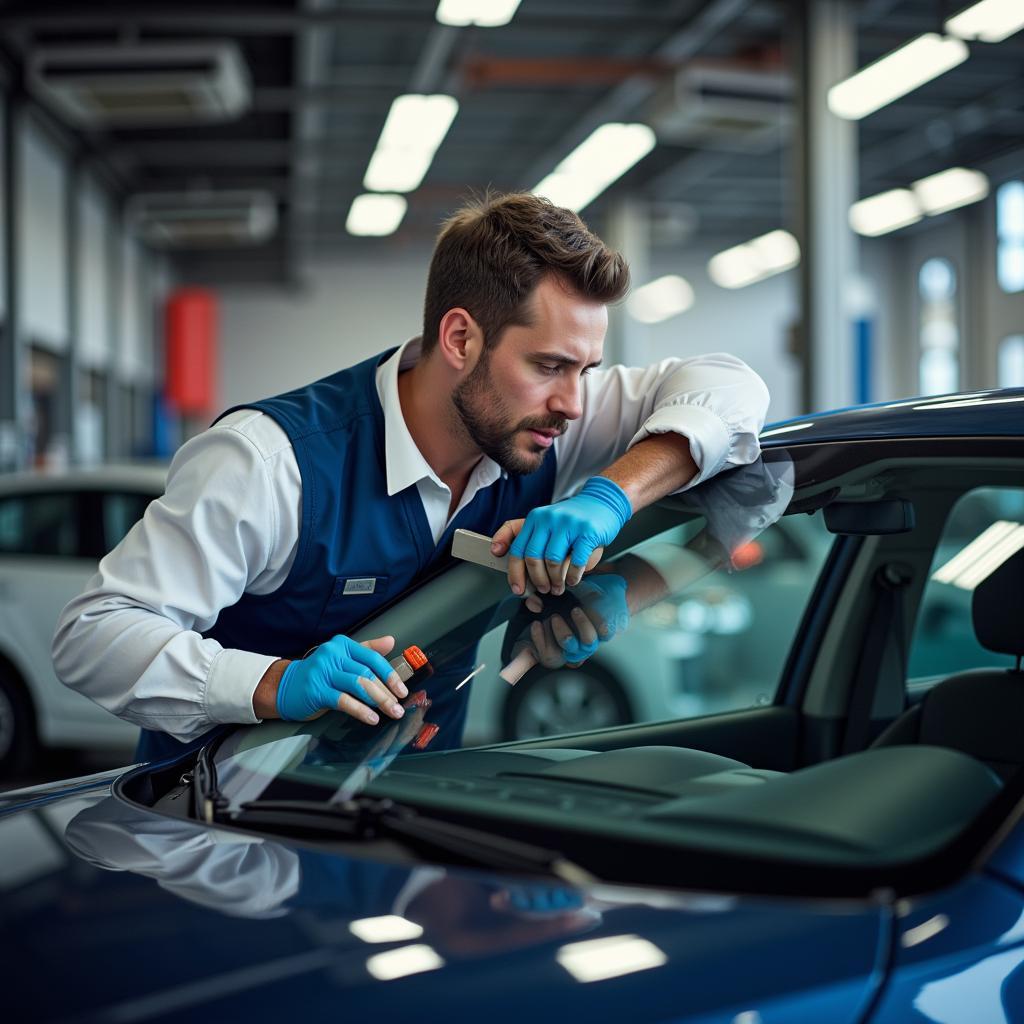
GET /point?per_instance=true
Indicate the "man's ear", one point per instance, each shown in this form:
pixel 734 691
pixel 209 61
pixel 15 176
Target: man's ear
pixel 459 339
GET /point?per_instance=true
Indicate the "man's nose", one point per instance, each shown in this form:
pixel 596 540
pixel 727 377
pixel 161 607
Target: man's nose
pixel 566 400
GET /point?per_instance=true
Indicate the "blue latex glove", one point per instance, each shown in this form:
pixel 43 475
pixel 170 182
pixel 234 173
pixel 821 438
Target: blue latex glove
pixel 339 666
pixel 542 900
pixel 573 527
pixel 569 639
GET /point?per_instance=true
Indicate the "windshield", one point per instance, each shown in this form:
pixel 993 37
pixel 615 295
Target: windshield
pixel 681 619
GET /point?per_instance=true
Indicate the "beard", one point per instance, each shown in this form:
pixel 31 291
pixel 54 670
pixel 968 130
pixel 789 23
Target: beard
pixel 487 419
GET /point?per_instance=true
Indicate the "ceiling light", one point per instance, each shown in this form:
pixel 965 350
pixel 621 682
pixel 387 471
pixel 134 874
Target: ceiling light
pixel 595 163
pixel 990 21
pixel 755 260
pixel 397 963
pixel 658 300
pixel 982 555
pixel 486 13
pixel 950 189
pixel 389 928
pixel 878 215
pixel 375 214
pixel 412 133
pixel 895 74
pixel 612 957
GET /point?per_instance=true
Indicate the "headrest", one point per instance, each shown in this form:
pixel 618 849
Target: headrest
pixel 997 608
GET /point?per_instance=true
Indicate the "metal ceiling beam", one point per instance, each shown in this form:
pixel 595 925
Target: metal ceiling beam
pixel 237 20
pixel 970 119
pixel 623 100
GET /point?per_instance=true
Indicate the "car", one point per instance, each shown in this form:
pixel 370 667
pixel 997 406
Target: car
pixel 851 850
pixel 54 528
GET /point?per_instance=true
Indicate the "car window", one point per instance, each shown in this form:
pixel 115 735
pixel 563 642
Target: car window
pixel 121 511
pixel 979 535
pixel 39 524
pixel 713 642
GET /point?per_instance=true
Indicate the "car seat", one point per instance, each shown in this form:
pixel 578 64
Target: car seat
pixel 979 712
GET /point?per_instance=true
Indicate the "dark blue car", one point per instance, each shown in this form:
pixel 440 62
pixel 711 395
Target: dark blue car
pixel 845 847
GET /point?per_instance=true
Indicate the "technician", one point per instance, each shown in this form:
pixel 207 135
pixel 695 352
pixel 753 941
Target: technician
pixel 293 518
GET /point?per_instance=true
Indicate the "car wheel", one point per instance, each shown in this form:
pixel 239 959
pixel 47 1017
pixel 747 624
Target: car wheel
pixel 17 728
pixel 567 700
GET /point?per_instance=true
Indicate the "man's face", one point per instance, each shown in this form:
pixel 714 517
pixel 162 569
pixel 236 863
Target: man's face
pixel 522 393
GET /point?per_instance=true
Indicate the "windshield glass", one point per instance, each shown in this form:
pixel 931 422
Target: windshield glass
pixel 693 613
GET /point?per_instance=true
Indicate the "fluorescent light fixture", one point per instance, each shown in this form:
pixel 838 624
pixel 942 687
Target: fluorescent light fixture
pixel 982 556
pixel 595 163
pixel 487 13
pixel 415 127
pixel 658 300
pixel 950 189
pixel 896 74
pixel 755 260
pixel 612 957
pixel 397 963
pixel 390 928
pixel 885 212
pixel 375 214
pixel 990 21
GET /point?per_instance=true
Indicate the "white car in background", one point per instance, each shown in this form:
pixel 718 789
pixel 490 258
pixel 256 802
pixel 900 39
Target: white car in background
pixel 54 528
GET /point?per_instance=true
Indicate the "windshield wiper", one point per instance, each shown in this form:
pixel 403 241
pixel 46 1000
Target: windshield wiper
pixel 367 818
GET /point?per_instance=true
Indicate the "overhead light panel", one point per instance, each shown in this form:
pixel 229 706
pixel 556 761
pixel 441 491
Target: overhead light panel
pixel 896 74
pixel 658 300
pixel 878 215
pixel 990 21
pixel 485 13
pixel 950 189
pixel 389 928
pixel 595 163
pixel 401 962
pixel 753 261
pixel 375 214
pixel 415 127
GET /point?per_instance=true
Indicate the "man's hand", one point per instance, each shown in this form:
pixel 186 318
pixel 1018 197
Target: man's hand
pixel 342 675
pixel 601 614
pixel 573 530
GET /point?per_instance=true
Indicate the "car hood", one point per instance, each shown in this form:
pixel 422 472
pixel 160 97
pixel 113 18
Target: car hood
pixel 113 912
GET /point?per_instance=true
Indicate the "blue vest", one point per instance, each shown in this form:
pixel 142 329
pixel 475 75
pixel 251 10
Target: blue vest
pixel 352 530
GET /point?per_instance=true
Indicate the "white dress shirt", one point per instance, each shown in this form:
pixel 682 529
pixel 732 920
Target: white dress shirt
pixel 228 524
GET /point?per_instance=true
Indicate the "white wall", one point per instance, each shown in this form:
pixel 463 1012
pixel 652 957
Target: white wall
pixel 752 323
pixel 41 244
pixel 273 341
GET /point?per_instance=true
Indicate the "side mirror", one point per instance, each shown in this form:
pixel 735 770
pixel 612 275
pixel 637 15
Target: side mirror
pixel 869 518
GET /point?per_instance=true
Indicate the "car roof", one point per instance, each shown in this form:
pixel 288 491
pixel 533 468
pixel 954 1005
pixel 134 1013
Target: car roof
pixel 992 413
pixel 145 477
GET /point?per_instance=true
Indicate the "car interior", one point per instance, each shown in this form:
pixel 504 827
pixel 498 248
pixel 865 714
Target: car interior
pixel 848 783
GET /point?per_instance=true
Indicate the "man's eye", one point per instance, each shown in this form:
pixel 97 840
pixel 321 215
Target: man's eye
pixel 550 370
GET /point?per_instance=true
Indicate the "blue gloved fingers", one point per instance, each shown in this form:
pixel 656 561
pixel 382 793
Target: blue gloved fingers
pixel 370 691
pixel 366 662
pixel 588 636
pixel 534 552
pixel 357 709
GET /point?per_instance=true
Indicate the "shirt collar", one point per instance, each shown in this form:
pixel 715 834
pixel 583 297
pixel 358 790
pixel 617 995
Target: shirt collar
pixel 404 462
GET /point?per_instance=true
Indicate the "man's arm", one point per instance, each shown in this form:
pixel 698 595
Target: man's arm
pixel 678 423
pixel 132 642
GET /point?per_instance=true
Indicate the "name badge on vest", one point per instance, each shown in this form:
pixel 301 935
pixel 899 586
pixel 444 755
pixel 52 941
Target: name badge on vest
pixel 361 585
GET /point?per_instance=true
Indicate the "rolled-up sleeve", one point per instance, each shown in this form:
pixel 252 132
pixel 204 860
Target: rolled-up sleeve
pixel 716 401
pixel 132 642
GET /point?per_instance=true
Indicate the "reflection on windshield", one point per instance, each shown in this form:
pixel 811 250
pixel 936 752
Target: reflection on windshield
pixel 715 528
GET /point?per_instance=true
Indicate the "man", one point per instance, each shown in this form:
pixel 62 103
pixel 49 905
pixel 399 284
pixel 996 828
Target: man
pixel 294 518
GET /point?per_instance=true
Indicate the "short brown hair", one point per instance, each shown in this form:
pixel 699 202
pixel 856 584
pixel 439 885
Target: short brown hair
pixel 493 252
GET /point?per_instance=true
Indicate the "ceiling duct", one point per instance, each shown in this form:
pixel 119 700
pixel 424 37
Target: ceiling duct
pixel 205 220
pixel 721 103
pixel 141 84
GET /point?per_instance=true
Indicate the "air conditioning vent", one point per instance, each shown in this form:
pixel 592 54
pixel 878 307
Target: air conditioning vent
pixel 141 83
pixel 734 106
pixel 206 220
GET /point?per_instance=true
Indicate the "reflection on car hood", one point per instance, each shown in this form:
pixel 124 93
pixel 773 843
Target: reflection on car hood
pixel 146 915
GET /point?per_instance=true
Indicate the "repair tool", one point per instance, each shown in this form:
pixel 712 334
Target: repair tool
pixel 476 548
